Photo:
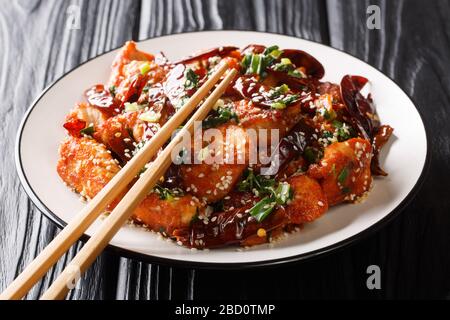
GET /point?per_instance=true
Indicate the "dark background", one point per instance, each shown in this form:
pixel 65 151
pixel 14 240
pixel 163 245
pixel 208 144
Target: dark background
pixel 412 47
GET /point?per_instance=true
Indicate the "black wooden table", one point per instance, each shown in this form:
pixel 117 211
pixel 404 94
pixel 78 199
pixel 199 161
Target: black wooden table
pixel 412 46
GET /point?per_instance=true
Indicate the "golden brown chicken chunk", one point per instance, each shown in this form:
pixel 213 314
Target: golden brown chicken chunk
pixel 215 176
pixel 253 116
pixel 120 132
pixel 344 171
pixel 85 165
pixel 89 114
pixel 131 70
pixel 167 214
pixel 308 202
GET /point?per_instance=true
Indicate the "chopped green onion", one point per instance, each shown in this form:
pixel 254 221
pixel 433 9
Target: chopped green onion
pixel 255 64
pixel 262 209
pixel 279 196
pixel 112 90
pixel 278 105
pixel 344 132
pixel 285 65
pixel 343 175
pixel 296 74
pixel 131 107
pixel 284 88
pixel 89 130
pixel 191 79
pixel 268 50
pixel 166 193
pixel 311 154
pixel 245 63
pixel 253 182
pixel 278 91
pixel 276 53
pixel 220 116
pixel 337 124
pixel 327 135
pixel 290 98
pixel 145 68
pixel 283 193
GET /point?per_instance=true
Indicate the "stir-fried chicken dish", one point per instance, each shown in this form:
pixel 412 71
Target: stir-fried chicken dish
pixel 322 143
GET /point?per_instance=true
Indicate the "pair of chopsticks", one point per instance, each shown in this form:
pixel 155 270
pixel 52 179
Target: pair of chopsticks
pixel 122 212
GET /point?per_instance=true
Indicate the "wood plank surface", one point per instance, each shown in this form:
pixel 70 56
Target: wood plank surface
pixel 412 46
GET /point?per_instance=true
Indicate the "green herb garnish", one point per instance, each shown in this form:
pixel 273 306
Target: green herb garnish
pixel 89 130
pixel 279 196
pixel 191 79
pixel 131 107
pixel 264 187
pixel 258 183
pixel 312 154
pixel 166 193
pixel 280 97
pixel 262 209
pixel 112 91
pixel 327 135
pixel 343 175
pixel 273 51
pixel 145 68
pixel 285 65
pixel 278 91
pixel 257 63
pixel 344 132
pixel 220 116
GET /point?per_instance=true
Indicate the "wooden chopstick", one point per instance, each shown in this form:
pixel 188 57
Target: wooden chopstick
pixel 130 201
pixel 78 225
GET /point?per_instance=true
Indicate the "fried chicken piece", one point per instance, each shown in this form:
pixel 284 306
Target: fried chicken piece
pixel 167 214
pixel 222 164
pixel 344 171
pixel 85 165
pixel 89 114
pixel 132 70
pixel 127 54
pixel 308 203
pixel 120 132
pixel 252 116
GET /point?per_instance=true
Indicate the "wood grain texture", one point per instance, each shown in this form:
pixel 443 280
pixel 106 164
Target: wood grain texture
pixel 37 48
pixel 412 47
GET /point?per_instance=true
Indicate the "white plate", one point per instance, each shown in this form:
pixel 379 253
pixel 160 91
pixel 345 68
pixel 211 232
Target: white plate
pixel 404 157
